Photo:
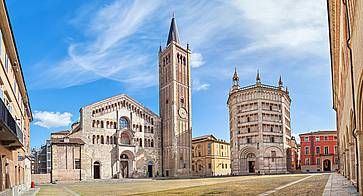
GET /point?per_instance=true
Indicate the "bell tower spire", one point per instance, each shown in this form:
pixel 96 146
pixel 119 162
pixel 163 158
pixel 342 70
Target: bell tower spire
pixel 173 32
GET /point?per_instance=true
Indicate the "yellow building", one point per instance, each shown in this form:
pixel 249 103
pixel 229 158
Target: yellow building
pixel 210 156
pixel 15 114
pixel 346 44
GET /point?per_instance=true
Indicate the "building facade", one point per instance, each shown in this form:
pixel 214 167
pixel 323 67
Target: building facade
pixel 260 133
pixel 41 159
pixel 15 114
pixel 115 138
pixel 346 43
pixel 175 105
pixel 292 156
pixel 319 151
pixel 210 156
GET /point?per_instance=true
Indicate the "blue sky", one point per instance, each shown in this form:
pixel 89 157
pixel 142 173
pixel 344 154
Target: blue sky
pixel 77 52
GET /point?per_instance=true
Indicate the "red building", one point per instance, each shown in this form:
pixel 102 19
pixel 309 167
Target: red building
pixel 319 151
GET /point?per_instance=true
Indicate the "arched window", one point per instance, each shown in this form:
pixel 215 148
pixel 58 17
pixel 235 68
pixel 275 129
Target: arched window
pixel 125 139
pixel 152 129
pixel 102 141
pixel 123 123
pixel 152 143
pixel 114 140
pixel 93 139
pixel 140 142
pixel 107 140
pixel 98 139
pixel 101 124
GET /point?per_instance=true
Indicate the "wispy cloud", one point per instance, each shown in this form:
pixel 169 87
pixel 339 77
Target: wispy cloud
pixel 120 38
pixel 196 60
pixel 52 119
pixel 199 86
pixel 108 49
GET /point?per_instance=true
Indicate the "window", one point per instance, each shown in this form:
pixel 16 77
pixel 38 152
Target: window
pixel 272 139
pixel 272 129
pixel 248 130
pixel 306 139
pixel 325 137
pixel 271 108
pixel 318 150
pixel 77 164
pixel 6 61
pixel 123 123
pixel 248 119
pixel 326 150
pixel 318 161
pixel 306 150
pixel 273 155
pixel 317 138
pixel 222 166
pixel 307 161
pixel 249 140
pixel 209 165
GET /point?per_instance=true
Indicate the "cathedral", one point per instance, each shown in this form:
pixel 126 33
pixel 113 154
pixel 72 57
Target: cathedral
pixel 118 137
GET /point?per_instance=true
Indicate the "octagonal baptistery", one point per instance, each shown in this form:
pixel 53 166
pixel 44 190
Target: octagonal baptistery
pixel 260 133
pixel 122 140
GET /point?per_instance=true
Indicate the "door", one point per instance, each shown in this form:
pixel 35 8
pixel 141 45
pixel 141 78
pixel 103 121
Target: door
pixel 251 166
pixel 150 170
pixel 96 170
pixel 124 169
pixel 326 165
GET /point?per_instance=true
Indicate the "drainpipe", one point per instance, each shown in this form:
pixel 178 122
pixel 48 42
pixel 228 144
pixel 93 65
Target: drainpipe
pixel 345 2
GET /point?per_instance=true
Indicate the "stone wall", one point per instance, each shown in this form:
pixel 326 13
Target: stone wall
pixel 41 178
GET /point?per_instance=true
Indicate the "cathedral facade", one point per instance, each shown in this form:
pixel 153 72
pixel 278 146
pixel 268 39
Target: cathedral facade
pixel 116 138
pixel 260 132
pixel 120 138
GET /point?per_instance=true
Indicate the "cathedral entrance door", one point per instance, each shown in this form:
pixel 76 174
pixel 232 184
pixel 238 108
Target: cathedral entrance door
pixel 150 170
pixel 96 170
pixel 125 169
pixel 251 166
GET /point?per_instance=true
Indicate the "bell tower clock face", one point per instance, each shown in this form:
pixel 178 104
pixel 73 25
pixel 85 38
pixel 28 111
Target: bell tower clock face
pixel 182 113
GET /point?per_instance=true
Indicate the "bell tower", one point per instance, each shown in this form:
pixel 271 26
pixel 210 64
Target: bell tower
pixel 175 105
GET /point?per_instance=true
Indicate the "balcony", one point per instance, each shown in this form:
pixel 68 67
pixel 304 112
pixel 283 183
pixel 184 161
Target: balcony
pixel 11 136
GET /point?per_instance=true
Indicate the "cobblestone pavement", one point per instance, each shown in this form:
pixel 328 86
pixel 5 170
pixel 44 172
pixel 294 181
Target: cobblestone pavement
pixel 338 185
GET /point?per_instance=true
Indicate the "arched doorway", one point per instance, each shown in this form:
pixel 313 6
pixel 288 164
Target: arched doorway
pixel 251 158
pixel 326 165
pixel 124 163
pixel 96 170
pixel 150 169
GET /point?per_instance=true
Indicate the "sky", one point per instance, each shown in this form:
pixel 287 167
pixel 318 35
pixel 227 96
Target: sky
pixel 74 53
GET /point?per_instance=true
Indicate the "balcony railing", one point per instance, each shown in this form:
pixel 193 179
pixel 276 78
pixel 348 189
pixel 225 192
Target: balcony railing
pixel 9 122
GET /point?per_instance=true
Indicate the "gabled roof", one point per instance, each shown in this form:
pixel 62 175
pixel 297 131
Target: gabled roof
pixel 173 32
pixel 120 96
pixel 67 141
pixel 204 137
pixel 65 132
